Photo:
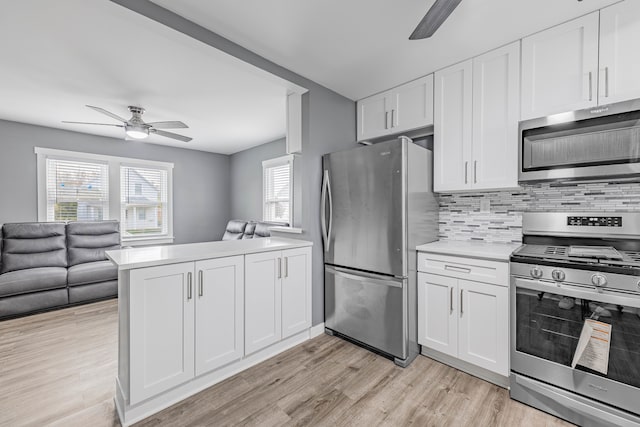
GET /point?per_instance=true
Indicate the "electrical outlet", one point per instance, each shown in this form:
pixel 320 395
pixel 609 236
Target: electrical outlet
pixel 485 205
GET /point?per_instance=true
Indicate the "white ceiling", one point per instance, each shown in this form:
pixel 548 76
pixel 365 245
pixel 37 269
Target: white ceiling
pixel 360 47
pixel 58 56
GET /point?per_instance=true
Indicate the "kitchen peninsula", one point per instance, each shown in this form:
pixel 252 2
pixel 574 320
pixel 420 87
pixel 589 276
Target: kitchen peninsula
pixel 191 315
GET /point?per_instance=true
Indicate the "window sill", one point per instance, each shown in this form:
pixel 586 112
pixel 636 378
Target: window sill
pixel 147 241
pixel 280 229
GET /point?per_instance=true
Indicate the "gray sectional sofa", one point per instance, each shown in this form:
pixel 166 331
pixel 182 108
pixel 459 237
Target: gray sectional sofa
pixel 238 229
pixel 50 265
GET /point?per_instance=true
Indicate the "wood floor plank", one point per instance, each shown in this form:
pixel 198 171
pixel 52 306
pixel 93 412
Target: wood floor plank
pixel 58 369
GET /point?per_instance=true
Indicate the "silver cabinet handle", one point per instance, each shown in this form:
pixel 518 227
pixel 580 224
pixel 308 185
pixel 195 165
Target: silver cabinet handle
pixel 590 86
pixel 386 120
pixel 451 299
pixel 189 286
pixel 286 266
pixel 461 302
pixel 606 82
pixel 392 120
pixel 475 171
pixel 201 280
pixel 455 268
pixel 279 268
pixel 466 170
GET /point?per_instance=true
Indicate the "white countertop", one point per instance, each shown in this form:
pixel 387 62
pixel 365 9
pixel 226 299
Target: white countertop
pixel 127 259
pixel 471 248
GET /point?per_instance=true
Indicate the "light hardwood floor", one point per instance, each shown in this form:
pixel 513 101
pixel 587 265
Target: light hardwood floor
pixel 58 369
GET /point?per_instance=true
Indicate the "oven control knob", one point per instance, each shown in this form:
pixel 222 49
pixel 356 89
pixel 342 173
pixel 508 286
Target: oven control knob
pixel 536 272
pixel 558 275
pixel 599 280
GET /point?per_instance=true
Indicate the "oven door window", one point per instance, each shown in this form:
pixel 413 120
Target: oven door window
pixel 548 325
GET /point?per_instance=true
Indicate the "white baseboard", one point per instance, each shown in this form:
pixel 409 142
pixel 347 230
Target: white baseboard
pixel 316 330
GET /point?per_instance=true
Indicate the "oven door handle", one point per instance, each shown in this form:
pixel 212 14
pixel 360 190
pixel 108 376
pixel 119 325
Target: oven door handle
pixel 605 296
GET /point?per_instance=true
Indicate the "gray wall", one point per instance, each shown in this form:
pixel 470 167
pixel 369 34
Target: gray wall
pixel 200 180
pixel 329 124
pixel 245 169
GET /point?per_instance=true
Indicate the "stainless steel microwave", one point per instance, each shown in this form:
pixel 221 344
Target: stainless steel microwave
pixel 596 144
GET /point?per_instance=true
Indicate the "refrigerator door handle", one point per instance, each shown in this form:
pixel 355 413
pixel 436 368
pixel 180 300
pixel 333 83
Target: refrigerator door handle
pixel 323 210
pixel 330 211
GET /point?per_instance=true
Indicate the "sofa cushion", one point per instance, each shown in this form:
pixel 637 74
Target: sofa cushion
pixel 249 230
pixel 33 245
pixel 262 230
pixel 92 272
pixel 32 280
pixel 235 230
pixel 87 240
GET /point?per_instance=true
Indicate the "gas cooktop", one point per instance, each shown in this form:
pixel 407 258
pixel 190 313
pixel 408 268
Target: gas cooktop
pixel 579 255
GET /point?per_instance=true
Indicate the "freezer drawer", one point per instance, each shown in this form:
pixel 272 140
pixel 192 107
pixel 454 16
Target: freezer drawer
pixel 368 308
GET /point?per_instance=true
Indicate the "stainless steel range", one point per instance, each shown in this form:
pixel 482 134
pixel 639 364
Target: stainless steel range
pixel 574 271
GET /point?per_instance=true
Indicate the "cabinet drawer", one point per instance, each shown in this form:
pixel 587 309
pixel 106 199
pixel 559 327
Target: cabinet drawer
pixel 465 268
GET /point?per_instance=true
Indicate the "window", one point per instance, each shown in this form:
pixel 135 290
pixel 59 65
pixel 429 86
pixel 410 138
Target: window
pixel 277 183
pixel 76 190
pixel 79 186
pixel 143 191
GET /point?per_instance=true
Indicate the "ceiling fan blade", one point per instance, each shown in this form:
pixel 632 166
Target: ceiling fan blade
pixel 438 13
pixel 108 113
pixel 170 135
pixel 168 125
pixel 87 123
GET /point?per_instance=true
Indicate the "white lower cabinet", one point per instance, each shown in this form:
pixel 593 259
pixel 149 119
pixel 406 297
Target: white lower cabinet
pixel 191 318
pixel 219 312
pixel 162 327
pixel 278 296
pixel 465 319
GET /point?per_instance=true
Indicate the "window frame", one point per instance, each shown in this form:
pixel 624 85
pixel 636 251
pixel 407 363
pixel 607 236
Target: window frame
pixel 114 162
pixel 279 161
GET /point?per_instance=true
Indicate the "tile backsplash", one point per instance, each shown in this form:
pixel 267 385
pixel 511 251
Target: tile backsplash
pixel 461 218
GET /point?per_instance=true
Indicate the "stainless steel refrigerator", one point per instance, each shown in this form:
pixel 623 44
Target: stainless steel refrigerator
pixel 377 206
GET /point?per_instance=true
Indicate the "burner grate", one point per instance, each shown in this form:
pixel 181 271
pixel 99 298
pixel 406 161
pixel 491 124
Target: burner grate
pixel 635 256
pixel 556 250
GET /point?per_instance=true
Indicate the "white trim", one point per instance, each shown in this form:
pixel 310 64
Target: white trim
pixel 294 123
pixel 278 161
pixel 74 155
pixel 281 229
pixel 115 163
pixel 316 330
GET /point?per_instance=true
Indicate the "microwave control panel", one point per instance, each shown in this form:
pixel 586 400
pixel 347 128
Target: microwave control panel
pixel 595 221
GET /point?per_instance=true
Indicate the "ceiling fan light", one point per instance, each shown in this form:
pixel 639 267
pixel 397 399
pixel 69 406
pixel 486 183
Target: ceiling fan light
pixel 136 132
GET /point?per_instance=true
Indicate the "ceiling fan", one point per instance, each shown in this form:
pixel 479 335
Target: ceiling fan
pixel 438 13
pixel 136 128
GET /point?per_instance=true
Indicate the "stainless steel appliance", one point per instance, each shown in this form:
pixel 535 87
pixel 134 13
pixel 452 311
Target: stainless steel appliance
pixel 596 143
pixel 574 267
pixel 377 206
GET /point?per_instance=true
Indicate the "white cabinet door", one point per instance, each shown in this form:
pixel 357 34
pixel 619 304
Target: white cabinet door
pixel 219 315
pixel 496 87
pixel 374 116
pixel 437 313
pixel 483 325
pixel 263 300
pixel 296 291
pixel 560 68
pixel 412 105
pixel 620 52
pixel 162 329
pixel 452 128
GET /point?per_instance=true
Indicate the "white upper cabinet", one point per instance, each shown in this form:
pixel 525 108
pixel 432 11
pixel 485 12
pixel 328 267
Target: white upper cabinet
pixel 619 78
pixel 404 108
pixel 560 68
pixel 452 127
pixel 476 122
pixel 496 101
